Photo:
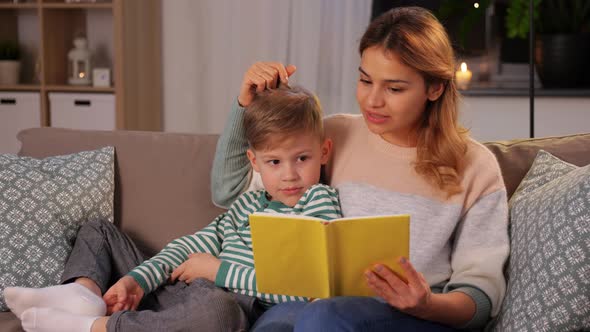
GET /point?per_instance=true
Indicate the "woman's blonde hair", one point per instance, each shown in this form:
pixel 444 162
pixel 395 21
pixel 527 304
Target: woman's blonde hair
pixel 275 114
pixel 421 42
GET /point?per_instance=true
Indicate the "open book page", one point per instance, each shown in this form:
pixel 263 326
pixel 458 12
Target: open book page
pixel 289 216
pixel 359 243
pixel 290 255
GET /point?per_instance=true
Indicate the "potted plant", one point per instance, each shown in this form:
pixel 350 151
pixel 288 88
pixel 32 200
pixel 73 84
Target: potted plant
pixel 9 63
pixel 469 15
pixel 562 44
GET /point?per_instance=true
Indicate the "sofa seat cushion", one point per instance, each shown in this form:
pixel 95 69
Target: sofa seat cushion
pixel 549 270
pixel 43 203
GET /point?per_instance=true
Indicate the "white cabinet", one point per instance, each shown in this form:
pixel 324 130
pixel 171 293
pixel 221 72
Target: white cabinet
pixel 18 110
pixel 93 111
pixel 492 118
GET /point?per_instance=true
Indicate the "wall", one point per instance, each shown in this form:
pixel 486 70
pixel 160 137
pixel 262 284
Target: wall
pixel 504 118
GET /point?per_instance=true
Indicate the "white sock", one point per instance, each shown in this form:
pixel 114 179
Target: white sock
pixel 49 319
pixel 73 298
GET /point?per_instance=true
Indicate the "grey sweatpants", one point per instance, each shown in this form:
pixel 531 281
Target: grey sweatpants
pixel 104 254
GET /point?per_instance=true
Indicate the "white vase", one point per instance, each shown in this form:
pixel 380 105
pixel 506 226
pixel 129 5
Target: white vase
pixel 9 72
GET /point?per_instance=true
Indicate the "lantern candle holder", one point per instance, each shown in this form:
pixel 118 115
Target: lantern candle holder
pixel 79 63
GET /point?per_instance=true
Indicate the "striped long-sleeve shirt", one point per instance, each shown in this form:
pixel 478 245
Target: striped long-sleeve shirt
pixel 228 238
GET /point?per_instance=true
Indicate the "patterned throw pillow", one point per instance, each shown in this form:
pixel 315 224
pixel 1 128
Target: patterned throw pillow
pixel 549 267
pixel 43 202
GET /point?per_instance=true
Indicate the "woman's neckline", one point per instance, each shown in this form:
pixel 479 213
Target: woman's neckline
pixel 390 148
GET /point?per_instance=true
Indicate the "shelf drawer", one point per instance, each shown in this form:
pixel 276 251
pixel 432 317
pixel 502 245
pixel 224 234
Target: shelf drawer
pixel 93 111
pixel 18 111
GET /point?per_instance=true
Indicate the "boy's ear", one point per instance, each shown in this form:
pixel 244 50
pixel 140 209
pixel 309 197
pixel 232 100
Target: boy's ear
pixel 252 158
pixel 435 90
pixel 326 150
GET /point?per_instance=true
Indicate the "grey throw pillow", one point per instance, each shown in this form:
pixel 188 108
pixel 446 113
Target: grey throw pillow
pixel 549 266
pixel 43 203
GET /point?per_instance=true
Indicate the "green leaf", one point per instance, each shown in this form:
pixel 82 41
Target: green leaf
pixel 551 16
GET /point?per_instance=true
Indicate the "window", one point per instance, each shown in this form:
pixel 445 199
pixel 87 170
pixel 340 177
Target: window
pixel 478 34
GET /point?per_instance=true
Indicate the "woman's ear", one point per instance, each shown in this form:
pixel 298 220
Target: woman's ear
pixel 435 90
pixel 252 157
pixel 326 150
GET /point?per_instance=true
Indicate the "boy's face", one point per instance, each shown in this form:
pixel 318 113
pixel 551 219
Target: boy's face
pixel 291 167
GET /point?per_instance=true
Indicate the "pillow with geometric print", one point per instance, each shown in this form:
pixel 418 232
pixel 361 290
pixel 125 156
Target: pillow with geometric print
pixel 549 266
pixel 43 203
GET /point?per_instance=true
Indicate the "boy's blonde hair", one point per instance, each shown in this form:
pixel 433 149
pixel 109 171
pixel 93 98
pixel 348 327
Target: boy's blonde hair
pixel 275 114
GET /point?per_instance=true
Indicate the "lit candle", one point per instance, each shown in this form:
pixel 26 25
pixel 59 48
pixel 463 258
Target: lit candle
pixel 463 76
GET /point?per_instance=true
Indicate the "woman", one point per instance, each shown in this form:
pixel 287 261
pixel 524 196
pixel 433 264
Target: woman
pixel 406 153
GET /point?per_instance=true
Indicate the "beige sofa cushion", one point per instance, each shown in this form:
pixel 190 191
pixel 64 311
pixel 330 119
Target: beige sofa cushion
pixel 161 179
pixel 9 322
pixel 516 156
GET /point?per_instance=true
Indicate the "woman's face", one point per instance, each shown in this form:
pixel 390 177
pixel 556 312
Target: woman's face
pixel 391 96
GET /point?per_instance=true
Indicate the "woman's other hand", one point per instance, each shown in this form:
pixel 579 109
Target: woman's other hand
pixel 261 76
pixel 413 297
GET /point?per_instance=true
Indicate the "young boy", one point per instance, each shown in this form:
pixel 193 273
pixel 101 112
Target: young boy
pixel 287 147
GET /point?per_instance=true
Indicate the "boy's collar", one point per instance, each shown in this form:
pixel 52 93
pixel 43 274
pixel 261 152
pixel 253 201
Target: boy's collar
pixel 267 202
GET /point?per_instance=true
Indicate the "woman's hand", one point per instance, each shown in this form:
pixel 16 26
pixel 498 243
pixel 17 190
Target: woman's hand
pixel 413 297
pixel 199 265
pixel 261 76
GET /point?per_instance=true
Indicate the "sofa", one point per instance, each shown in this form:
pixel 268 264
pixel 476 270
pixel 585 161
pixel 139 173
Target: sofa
pixel 162 183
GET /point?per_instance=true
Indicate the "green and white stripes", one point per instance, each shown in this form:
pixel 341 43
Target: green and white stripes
pixel 228 238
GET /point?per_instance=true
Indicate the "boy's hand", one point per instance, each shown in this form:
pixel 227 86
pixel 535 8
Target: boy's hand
pixel 197 265
pixel 261 76
pixel 125 294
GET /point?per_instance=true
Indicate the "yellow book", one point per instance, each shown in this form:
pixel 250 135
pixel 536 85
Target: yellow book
pixel 305 256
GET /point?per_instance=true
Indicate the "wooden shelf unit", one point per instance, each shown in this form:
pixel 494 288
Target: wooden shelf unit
pixel 90 5
pixel 123 35
pixel 20 87
pixel 10 5
pixel 77 88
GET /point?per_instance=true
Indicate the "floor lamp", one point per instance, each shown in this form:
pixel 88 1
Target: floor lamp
pixel 531 70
